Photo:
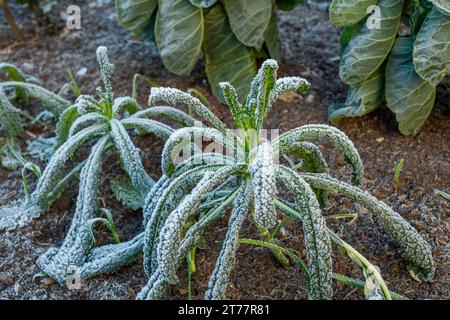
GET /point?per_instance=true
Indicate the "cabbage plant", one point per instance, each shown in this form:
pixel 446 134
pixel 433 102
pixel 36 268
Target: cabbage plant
pixel 396 51
pixel 230 34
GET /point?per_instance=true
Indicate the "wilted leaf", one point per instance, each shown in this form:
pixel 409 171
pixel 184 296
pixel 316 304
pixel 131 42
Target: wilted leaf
pixel 226 59
pixel 203 3
pixel 368 49
pixel 409 96
pixel 344 13
pixel 443 5
pixel 249 20
pixel 432 47
pixel 272 38
pixel 135 15
pixel 362 99
pixel 179 35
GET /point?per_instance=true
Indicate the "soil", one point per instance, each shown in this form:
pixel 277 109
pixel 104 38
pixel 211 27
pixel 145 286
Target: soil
pixel 311 50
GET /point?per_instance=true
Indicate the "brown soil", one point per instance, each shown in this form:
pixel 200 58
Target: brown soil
pixel 312 51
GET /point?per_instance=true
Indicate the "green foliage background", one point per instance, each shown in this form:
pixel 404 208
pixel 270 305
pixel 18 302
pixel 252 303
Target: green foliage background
pixel 230 34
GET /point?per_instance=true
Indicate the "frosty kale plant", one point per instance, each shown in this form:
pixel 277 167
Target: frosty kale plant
pixel 230 34
pixel 248 178
pixel 17 91
pixel 103 122
pixel 399 53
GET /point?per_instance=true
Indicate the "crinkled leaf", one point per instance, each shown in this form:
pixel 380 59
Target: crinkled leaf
pixel 41 148
pixel 272 38
pixel 179 35
pixel 126 193
pixel 287 5
pixel 432 47
pixel 345 13
pixel 249 20
pixel 9 116
pixel 360 100
pixel 203 3
pixel 442 5
pixel 134 15
pixel 66 120
pixel 226 59
pixel 409 96
pixel 369 48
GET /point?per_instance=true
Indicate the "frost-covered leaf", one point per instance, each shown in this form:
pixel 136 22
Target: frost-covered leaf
pixel 9 116
pixel 203 3
pixel 126 193
pixel 362 99
pixel 368 49
pixel 41 148
pixel 432 47
pixel 226 59
pixel 66 119
pixel 179 35
pixel 345 13
pixel 442 5
pixel 135 15
pixel 249 20
pixel 409 96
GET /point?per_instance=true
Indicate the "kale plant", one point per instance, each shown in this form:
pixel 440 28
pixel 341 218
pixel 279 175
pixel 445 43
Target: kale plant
pixel 231 34
pixel 242 172
pixel 400 58
pixel 103 123
pixel 16 90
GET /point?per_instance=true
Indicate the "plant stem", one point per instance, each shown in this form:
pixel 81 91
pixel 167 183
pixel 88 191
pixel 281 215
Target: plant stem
pixel 281 258
pixel 288 252
pixel 359 284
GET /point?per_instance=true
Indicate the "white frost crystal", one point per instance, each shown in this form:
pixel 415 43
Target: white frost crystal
pixel 264 188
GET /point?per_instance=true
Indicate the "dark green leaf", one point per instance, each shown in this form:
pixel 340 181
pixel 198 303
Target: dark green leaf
pixel 226 59
pixel 367 51
pixel 345 13
pixel 272 38
pixel 288 5
pixel 249 20
pixel 14 74
pixel 134 15
pixel 360 100
pixel 409 96
pixel 347 34
pixel 432 47
pixel 179 35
